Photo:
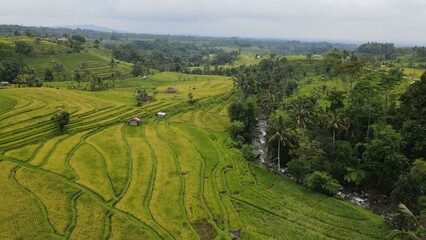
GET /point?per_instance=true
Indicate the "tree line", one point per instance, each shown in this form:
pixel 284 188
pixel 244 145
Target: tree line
pixel 360 135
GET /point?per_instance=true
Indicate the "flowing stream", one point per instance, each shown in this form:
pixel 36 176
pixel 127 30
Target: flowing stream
pixel 375 204
pixel 259 143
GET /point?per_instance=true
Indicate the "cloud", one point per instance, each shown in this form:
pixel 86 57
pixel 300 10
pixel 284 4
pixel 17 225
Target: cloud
pixel 391 20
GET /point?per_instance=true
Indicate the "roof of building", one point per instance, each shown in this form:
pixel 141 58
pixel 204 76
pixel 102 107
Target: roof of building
pixel 137 119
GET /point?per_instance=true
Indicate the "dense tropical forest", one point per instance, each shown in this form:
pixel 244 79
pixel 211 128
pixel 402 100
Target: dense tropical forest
pixel 339 118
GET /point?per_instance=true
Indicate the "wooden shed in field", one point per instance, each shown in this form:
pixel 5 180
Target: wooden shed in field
pixel 135 121
pixel 161 115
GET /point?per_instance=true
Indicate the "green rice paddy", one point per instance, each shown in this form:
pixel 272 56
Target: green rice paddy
pixel 173 178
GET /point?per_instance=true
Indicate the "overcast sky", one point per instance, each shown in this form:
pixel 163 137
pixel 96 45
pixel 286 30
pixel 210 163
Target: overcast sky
pixel 398 21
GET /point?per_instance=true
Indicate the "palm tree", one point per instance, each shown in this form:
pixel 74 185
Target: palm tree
pixel 58 68
pixel 270 102
pixel 112 63
pixel 334 122
pixel 419 222
pixel 303 111
pixel 282 134
pixel 84 68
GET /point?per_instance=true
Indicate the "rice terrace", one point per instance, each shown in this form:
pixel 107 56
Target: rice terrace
pixel 173 178
pixel 158 143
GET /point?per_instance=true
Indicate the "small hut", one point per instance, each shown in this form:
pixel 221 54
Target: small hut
pixel 161 115
pixel 171 90
pixel 135 121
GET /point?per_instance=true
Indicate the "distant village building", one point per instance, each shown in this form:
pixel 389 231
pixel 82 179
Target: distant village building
pixel 171 90
pixel 161 114
pixel 135 121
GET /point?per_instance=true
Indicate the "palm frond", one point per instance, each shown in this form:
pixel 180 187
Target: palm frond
pixel 408 214
pixel 401 234
pixel 405 211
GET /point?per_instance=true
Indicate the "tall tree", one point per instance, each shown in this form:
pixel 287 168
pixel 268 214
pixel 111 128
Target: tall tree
pixel 383 157
pixel 59 69
pixel 61 119
pixel 282 135
pixel 413 102
pixel 48 75
pixel 23 48
pixel 303 111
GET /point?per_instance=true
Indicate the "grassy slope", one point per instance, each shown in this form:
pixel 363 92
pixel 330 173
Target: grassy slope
pixel 97 60
pixel 6 104
pixel 171 178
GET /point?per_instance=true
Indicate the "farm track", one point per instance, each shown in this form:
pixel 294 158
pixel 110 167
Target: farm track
pixel 71 226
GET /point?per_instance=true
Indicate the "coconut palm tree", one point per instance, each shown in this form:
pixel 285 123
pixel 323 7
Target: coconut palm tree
pixel 283 135
pixel 419 233
pixel 59 69
pixel 303 111
pixel 335 123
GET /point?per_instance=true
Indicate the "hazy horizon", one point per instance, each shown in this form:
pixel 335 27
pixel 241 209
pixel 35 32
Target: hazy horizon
pixel 397 21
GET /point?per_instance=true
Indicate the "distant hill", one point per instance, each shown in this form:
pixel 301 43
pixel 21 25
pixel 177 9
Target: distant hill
pixel 90 27
pixel 251 46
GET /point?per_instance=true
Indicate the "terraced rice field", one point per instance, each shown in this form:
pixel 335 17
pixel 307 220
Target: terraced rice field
pixel 173 178
pixel 95 63
pixel 48 53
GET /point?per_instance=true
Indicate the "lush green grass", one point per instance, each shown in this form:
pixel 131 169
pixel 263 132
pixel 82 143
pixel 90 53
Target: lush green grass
pixel 6 104
pixel 302 57
pixel 89 165
pixel 89 212
pixel 54 195
pixel 173 178
pixel 248 60
pixel 24 153
pixel 21 214
pixel 47 53
pixel 413 72
pixel 115 155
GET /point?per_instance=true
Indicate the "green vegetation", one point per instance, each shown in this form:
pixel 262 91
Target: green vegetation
pixel 61 119
pixel 346 124
pixel 170 178
pixel 333 120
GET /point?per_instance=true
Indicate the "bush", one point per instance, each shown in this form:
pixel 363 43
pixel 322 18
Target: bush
pixel 298 168
pixel 248 153
pixel 237 129
pixel 23 48
pixel 322 182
